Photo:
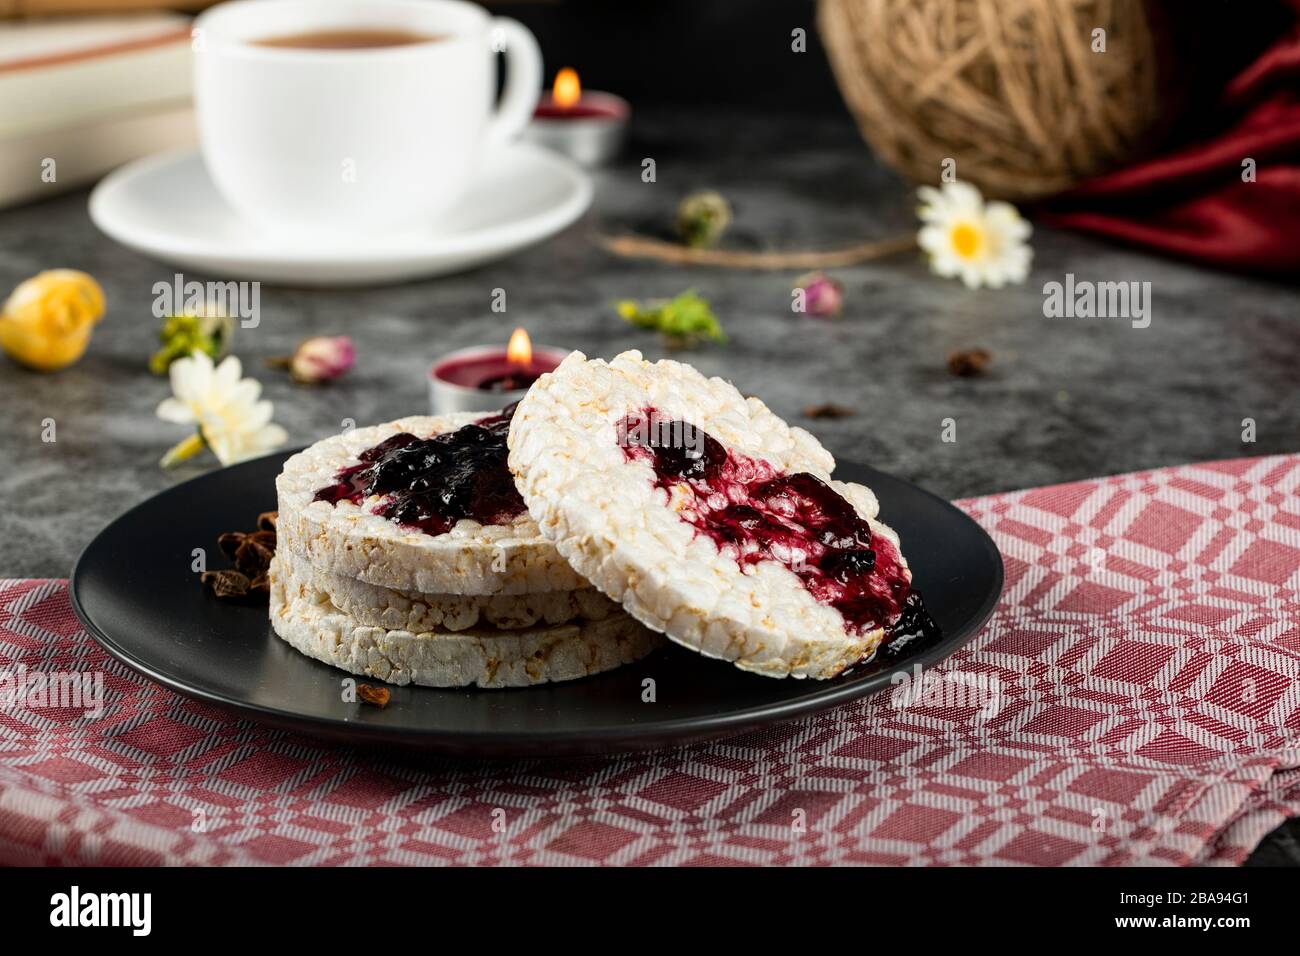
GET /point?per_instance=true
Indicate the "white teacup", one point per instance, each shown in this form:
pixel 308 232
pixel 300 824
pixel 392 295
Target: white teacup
pixel 375 139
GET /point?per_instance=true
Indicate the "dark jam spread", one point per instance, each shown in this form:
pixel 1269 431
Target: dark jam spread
pixel 755 513
pixel 431 483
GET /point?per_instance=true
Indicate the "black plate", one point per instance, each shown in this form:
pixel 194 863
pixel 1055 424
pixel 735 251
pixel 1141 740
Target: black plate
pixel 134 590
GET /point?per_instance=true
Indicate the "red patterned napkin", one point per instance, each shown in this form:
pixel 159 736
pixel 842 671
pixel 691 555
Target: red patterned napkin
pixel 1135 700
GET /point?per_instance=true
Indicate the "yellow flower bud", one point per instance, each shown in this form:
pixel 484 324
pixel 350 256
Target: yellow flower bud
pixel 47 320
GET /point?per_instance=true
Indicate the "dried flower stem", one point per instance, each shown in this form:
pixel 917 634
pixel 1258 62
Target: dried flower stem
pixel 183 450
pixel 645 247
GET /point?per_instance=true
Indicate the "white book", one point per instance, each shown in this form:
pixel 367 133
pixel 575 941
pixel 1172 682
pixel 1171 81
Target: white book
pixel 36 165
pixel 57 73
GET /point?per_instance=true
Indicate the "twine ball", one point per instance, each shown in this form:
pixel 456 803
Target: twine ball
pixel 1011 90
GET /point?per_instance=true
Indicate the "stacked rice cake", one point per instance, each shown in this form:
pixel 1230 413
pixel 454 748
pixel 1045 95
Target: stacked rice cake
pixel 620 501
pixel 404 553
pixel 710 519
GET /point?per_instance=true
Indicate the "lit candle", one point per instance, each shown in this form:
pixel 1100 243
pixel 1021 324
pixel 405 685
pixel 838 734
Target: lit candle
pixel 483 378
pixel 585 125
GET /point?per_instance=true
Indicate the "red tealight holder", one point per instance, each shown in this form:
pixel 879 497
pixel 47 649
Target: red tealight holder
pixel 484 378
pixel 584 125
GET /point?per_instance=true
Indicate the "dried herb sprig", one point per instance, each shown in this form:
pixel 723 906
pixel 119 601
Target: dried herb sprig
pixel 683 322
pixel 182 335
pixel 702 218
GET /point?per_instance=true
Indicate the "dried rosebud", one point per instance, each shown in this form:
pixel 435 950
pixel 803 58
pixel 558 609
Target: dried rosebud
pixel 821 295
pixel 45 324
pixel 967 363
pixel 320 359
pixel 378 696
pixel 702 218
pixel 266 520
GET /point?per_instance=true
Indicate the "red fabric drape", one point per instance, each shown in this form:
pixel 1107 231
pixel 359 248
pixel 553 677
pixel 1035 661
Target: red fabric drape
pixel 1191 201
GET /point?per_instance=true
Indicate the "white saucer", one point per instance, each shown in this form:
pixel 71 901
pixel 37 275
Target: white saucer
pixel 167 207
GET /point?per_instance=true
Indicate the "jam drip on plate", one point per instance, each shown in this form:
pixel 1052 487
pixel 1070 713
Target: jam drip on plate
pixel 431 483
pixel 756 513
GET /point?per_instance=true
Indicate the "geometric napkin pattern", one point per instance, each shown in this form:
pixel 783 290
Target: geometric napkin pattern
pixel 1134 700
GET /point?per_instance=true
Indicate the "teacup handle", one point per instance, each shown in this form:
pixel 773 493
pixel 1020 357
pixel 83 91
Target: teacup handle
pixel 523 85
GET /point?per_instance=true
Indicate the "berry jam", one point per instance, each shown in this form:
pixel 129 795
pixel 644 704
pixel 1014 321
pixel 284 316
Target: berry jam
pixel 756 513
pixel 431 483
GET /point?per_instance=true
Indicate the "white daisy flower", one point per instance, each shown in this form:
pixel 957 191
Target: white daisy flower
pixel 225 407
pixel 983 243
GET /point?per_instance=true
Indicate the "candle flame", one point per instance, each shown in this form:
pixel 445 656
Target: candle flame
pixel 519 352
pixel 567 90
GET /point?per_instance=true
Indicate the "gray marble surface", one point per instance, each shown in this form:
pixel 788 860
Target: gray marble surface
pixel 1065 399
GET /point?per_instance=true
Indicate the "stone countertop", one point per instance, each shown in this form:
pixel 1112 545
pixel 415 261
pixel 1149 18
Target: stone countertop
pixel 1065 398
